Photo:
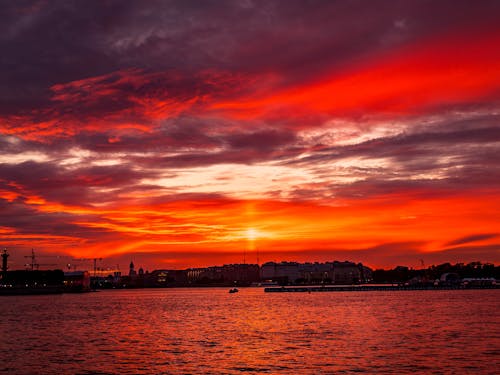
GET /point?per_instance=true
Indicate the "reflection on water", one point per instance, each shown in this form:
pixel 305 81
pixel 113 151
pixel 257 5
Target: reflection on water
pixel 180 331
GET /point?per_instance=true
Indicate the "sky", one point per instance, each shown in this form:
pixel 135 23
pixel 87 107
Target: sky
pixel 192 133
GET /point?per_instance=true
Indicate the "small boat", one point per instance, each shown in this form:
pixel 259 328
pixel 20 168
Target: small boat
pixel 234 290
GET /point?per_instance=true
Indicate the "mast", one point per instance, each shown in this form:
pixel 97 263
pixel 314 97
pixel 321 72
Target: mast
pixel 33 260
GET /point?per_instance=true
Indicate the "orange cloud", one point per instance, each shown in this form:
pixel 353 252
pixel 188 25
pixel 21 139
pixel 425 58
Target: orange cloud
pixel 446 71
pixel 222 226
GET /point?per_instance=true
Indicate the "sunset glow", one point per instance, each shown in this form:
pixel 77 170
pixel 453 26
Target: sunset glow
pixel 192 136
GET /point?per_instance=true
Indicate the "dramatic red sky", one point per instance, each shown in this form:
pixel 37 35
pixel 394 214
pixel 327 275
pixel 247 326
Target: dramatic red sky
pixel 194 133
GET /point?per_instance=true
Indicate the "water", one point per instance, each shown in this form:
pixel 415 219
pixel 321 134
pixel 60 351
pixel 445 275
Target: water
pixel 209 331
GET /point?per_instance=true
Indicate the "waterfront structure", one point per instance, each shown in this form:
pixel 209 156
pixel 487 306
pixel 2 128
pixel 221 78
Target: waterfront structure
pixel 5 255
pixel 449 278
pixel 479 281
pixel 163 278
pixel 32 282
pixel 132 272
pixel 228 274
pixel 316 273
pixel 283 272
pixel 77 281
pixel 346 273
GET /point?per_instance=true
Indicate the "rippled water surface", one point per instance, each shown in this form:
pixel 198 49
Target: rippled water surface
pixel 209 331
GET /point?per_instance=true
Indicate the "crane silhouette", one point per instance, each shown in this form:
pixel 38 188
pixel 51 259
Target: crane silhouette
pixel 34 264
pixel 94 260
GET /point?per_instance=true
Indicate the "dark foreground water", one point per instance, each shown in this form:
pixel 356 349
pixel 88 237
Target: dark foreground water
pixel 209 331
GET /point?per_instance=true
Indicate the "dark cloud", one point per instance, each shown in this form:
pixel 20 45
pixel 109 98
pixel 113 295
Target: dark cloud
pixel 485 253
pixel 407 147
pixel 24 219
pixel 200 158
pixel 51 42
pixel 420 164
pixel 172 136
pixel 472 238
pixel 66 185
pixel 261 140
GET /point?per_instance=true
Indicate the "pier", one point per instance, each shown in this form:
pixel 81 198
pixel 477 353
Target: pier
pixel 368 288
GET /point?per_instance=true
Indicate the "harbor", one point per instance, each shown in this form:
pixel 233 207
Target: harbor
pixel 271 277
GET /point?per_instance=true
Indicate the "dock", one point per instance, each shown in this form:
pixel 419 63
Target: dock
pixel 368 288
